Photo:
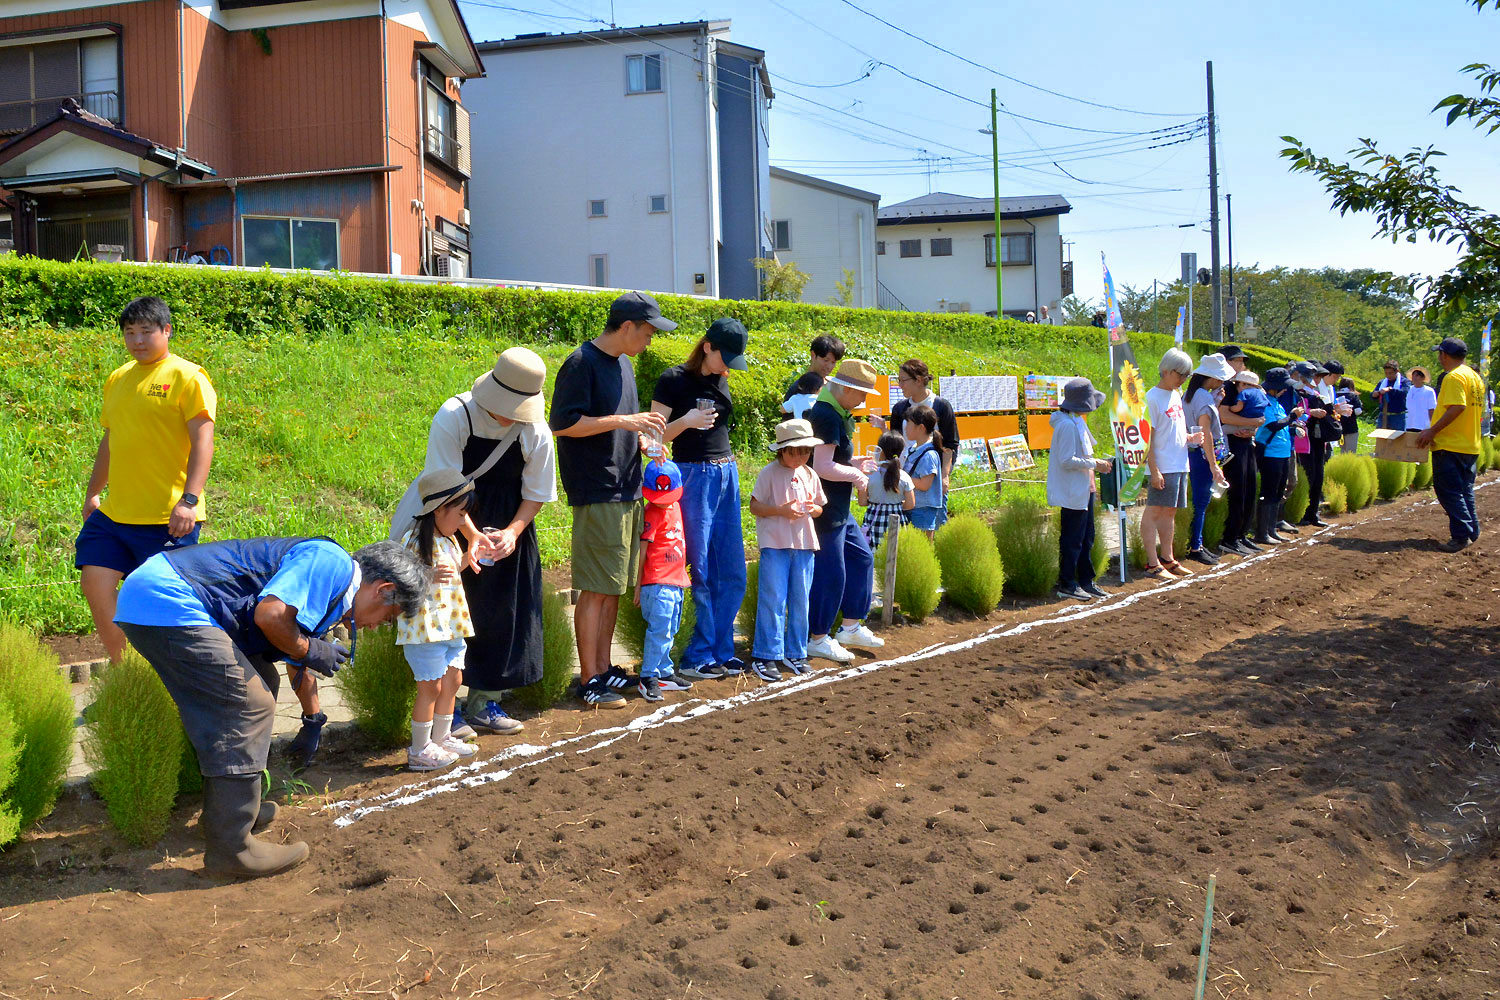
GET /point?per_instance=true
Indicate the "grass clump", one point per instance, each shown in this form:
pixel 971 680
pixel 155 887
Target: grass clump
pixel 1392 478
pixel 133 742
pixel 745 620
pixel 1422 474
pixel 1214 520
pixel 972 571
pixel 1026 534
pixel 379 689
pixel 1487 457
pixel 630 627
pixel 1372 480
pixel 1353 473
pixel 1336 496
pixel 917 572
pixel 557 655
pixel 1100 552
pixel 41 708
pixel 10 763
pixel 1296 501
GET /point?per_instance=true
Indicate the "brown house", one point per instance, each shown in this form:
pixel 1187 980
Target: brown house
pixel 296 133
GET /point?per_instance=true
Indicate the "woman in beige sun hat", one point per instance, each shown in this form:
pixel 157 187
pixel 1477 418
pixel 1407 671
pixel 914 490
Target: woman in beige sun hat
pixel 496 434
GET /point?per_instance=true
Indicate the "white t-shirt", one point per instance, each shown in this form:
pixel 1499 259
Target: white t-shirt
pixel 1169 429
pixel 1420 402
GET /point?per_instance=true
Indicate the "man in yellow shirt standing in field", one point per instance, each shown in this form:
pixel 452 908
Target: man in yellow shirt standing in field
pixel 158 418
pixel 1454 439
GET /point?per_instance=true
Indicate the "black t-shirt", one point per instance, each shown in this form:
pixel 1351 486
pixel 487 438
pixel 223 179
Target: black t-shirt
pixel 802 385
pixel 828 426
pixel 947 421
pixel 680 390
pixel 603 468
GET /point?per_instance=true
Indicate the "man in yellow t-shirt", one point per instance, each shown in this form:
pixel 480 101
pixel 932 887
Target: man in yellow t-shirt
pixel 158 418
pixel 1454 439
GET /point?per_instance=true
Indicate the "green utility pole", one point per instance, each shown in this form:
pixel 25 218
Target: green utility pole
pixel 999 246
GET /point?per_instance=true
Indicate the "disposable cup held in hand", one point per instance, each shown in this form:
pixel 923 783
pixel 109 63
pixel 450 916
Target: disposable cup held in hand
pixel 653 444
pixel 487 561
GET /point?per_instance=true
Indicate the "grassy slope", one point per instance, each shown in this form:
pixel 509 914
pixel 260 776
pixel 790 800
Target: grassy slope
pixel 319 435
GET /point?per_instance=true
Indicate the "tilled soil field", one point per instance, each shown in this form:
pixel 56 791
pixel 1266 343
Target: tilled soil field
pixel 1032 810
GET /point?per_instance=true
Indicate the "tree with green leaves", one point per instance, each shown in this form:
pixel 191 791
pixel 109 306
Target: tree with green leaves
pixel 1409 199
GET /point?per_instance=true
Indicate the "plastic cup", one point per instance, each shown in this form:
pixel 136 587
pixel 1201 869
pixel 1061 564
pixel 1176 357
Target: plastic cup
pixel 487 561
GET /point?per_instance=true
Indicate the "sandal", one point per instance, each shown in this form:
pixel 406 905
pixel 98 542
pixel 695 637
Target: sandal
pixel 1176 568
pixel 1159 572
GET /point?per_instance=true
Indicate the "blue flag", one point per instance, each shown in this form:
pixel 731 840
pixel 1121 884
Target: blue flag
pixel 1112 319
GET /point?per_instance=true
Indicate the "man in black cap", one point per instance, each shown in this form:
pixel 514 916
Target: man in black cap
pixel 600 435
pixel 1454 439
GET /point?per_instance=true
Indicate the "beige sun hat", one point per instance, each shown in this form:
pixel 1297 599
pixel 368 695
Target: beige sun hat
pixel 1246 377
pixel 795 434
pixel 513 388
pixel 441 486
pixel 854 374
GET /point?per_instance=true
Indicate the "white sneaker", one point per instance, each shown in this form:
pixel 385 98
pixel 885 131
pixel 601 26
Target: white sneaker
pixel 827 648
pixel 859 636
pixel 432 758
pixel 458 747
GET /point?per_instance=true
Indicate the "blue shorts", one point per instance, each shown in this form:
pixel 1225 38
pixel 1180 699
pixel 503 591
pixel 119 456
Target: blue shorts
pixel 928 518
pixel 429 661
pixel 123 547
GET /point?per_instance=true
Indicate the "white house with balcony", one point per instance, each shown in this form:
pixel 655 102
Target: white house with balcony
pixel 624 157
pixel 827 230
pixel 936 253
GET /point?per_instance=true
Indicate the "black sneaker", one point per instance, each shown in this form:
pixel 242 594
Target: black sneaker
pixel 733 667
pixel 766 670
pixel 1092 589
pixel 1456 544
pixel 650 689
pixel 615 678
pixel 1231 547
pixel 675 682
pixel 1204 556
pixel 597 693
pixel 1287 527
pixel 797 667
pixel 1249 547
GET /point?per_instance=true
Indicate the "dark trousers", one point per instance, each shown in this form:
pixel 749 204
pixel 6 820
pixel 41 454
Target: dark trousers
pixel 843 573
pixel 1240 471
pixel 227 705
pixel 1272 478
pixel 1312 464
pixel 1075 545
pixel 1453 482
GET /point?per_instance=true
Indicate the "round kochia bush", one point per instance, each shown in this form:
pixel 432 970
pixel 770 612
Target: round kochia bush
pixel 1354 474
pixel 557 655
pixel 134 742
pixel 42 709
pixel 917 573
pixel 1391 478
pixel 379 688
pixel 1026 533
pixel 973 575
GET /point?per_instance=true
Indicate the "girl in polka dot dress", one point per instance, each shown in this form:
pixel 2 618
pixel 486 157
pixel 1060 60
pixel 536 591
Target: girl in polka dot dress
pixel 433 638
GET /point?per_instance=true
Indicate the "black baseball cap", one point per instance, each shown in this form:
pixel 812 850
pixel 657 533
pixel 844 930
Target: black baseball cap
pixel 1277 380
pixel 727 335
pixel 1453 347
pixel 1336 367
pixel 638 307
pixel 1231 351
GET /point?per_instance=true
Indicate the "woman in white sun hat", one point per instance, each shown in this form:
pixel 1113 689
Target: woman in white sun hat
pixel 1204 472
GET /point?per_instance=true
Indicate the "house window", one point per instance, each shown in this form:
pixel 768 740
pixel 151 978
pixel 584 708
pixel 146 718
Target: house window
pixel 658 204
pixel 643 74
pixel 942 247
pixel 880 248
pixel 1016 248
pixel 599 270
pixel 781 235
pixel 36 79
pixel 442 118
pixel 911 248
pixel 596 208
pixel 292 243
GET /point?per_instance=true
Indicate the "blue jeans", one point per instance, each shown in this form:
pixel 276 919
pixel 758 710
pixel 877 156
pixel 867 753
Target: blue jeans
pixel 843 573
pixel 1393 421
pixel 661 606
pixel 1202 479
pixel 1453 482
pixel 716 557
pixel 786 577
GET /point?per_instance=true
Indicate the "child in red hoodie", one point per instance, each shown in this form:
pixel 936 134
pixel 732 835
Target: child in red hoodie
pixel 664 578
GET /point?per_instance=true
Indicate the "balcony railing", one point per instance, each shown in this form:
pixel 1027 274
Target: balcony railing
pixel 18 116
pixel 442 146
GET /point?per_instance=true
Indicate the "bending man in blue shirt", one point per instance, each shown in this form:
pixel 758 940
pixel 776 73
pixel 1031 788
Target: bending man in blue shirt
pixel 213 619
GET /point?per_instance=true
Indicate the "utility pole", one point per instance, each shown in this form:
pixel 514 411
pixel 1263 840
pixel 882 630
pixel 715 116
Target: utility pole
pixel 1155 319
pixel 999 246
pixel 1229 221
pixel 1213 216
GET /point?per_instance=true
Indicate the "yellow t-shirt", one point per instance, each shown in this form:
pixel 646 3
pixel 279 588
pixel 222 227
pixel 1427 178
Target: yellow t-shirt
pixel 146 411
pixel 1461 387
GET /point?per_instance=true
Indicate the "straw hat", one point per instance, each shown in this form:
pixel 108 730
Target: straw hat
pixel 795 434
pixel 854 374
pixel 513 388
pixel 441 486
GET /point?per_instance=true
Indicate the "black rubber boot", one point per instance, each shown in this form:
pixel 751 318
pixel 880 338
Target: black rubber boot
pixel 305 744
pixel 263 819
pixel 1265 518
pixel 231 805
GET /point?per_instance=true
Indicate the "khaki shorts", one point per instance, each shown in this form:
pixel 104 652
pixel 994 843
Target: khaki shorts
pixel 606 546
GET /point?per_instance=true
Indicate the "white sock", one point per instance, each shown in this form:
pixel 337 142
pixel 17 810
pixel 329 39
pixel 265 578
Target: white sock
pixel 421 735
pixel 442 725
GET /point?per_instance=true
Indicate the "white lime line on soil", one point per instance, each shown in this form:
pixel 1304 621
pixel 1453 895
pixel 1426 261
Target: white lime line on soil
pixel 479 772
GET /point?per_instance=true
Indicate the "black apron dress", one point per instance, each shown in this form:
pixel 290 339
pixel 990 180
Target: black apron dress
pixel 505 601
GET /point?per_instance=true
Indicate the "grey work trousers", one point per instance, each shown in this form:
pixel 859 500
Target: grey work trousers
pixel 228 706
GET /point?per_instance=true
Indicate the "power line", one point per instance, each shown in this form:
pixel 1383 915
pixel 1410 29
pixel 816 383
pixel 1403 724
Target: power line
pixel 869 69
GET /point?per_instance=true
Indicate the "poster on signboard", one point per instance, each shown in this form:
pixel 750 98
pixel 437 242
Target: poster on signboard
pixel 973 453
pixel 980 393
pixel 1010 453
pixel 1044 392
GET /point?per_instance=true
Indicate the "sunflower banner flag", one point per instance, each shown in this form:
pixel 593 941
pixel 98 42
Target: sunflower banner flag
pixel 1181 315
pixel 1127 395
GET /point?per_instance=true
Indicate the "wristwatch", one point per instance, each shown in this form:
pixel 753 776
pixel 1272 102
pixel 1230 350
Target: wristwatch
pixel 189 500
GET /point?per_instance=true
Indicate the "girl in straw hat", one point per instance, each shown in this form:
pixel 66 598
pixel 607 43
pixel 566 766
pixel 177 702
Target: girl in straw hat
pixel 433 639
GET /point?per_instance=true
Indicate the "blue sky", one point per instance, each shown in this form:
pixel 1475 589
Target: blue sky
pixel 1326 71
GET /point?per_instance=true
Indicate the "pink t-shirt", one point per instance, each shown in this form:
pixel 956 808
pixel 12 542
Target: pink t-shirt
pixel 777 486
